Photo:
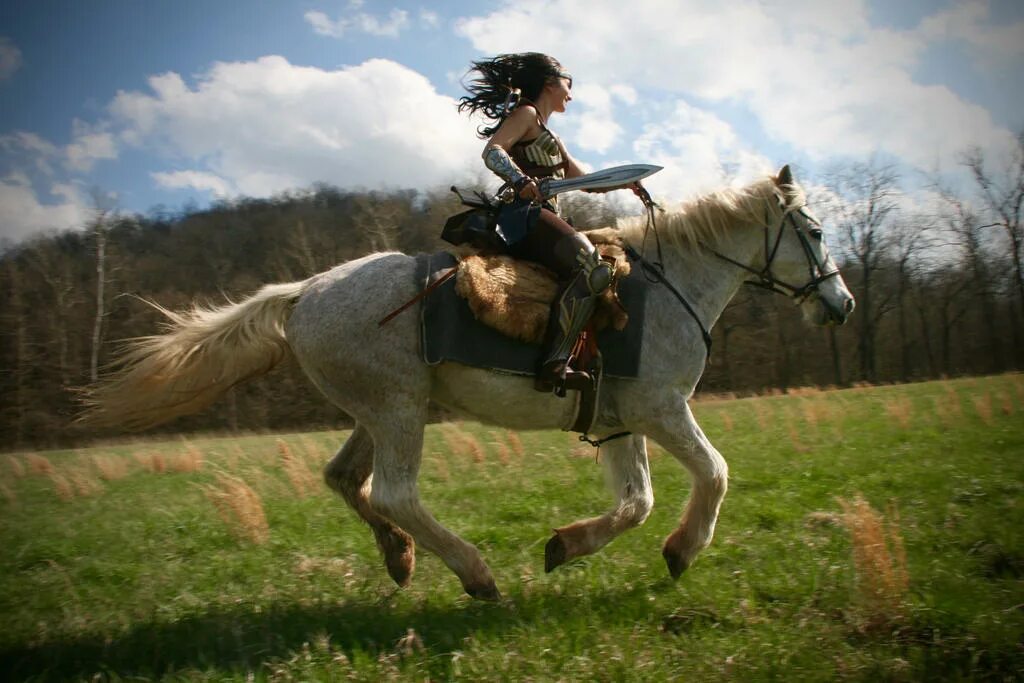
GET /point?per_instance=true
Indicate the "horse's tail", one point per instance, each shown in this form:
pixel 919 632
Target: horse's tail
pixel 203 353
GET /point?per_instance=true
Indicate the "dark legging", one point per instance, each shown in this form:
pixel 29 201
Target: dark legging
pixel 547 242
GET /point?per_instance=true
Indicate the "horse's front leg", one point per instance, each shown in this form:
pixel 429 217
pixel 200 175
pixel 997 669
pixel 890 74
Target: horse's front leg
pixel 675 429
pixel 630 479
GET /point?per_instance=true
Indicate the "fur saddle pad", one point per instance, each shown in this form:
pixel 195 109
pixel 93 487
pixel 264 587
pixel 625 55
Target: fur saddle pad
pixel 515 297
pixel 450 331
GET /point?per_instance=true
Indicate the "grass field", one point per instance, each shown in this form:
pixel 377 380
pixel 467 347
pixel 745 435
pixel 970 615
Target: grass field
pixel 868 534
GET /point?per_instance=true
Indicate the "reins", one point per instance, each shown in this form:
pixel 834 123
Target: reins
pixel 655 271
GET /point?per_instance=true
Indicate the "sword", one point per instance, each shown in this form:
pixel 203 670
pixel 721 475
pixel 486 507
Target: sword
pixel 616 176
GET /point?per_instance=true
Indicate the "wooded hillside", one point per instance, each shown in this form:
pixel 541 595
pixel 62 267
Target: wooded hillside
pixel 938 293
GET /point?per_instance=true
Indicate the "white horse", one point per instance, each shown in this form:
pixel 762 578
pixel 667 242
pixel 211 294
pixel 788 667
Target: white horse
pixel 376 374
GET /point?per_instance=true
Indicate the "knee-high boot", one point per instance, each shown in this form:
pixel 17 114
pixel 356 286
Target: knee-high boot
pixel 570 313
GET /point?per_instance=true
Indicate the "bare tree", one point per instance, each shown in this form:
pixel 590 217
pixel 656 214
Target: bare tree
pixel 101 210
pixel 908 241
pixel 1002 195
pixel 862 208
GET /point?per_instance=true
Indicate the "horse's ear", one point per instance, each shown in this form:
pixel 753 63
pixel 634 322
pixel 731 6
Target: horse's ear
pixel 785 176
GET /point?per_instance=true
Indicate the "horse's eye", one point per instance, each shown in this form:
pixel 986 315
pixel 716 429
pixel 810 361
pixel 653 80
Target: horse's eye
pixel 816 233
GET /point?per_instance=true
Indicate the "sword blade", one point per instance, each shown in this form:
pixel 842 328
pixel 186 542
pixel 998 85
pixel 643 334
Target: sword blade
pixel 615 176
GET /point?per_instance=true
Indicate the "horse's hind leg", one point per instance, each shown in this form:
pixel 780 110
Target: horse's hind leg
pixel 350 473
pixel 398 445
pixel 630 478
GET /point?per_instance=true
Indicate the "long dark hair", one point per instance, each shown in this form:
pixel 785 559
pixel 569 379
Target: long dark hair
pixel 501 81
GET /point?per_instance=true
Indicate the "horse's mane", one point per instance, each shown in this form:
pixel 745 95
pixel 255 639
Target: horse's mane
pixel 710 217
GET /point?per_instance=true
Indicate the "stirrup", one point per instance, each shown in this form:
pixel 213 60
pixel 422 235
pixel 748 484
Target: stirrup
pixel 556 376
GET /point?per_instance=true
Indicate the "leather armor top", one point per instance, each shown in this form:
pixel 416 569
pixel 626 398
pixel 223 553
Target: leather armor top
pixel 540 157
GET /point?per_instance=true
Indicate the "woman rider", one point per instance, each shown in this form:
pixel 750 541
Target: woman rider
pixel 519 92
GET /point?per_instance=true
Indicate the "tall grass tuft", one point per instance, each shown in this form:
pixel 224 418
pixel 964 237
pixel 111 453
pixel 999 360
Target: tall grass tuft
pixel 62 487
pixel 85 483
pixel 239 507
pixel 901 411
pixel 502 448
pixel 515 443
pixel 1005 403
pixel 880 563
pixel 38 464
pixel 188 460
pixel 983 407
pixel 462 443
pixel 303 481
pixel 764 414
pixel 16 466
pixel 110 467
pixel 727 423
pixel 154 462
pixel 8 494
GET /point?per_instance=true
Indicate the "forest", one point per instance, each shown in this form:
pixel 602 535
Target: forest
pixel 939 288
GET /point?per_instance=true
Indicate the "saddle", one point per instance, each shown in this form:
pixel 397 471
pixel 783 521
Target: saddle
pixel 514 297
pixel 494 313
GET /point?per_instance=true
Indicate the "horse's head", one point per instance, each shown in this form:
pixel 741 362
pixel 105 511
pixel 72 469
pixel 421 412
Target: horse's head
pixel 798 262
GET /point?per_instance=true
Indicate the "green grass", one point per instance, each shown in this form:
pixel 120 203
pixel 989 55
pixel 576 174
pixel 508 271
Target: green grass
pixel 138 578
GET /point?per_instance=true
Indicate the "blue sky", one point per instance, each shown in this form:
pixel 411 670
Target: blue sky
pixel 163 103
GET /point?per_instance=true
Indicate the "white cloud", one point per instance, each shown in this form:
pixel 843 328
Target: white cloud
pixel 396 21
pixel 817 76
pixel 10 58
pixel 89 145
pixel 970 23
pixel 198 180
pixel 266 126
pixel 699 151
pixel 429 19
pixel 22 214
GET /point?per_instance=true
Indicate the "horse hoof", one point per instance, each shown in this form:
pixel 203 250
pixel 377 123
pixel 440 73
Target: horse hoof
pixel 554 554
pixel 676 564
pixel 400 573
pixel 487 593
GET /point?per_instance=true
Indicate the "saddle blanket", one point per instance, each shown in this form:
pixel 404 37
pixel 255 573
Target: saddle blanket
pixel 450 331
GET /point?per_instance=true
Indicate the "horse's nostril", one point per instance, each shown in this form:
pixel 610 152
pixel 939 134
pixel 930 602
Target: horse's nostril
pixel 849 306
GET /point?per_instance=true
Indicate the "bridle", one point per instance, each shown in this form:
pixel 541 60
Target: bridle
pixel 766 279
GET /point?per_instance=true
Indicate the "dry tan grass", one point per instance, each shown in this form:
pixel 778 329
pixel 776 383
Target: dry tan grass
pixel 504 455
pixel 189 459
pixel 727 422
pixel 153 462
pixel 8 494
pixel 84 482
pixel 110 467
pixel 983 407
pixel 515 443
pixel 38 464
pixel 302 479
pixel 462 443
pixel 62 487
pixel 239 507
pixel 1005 403
pixel 948 408
pixel 880 564
pixel 764 414
pixel 16 466
pixel 314 450
pixel 803 391
pixel 901 411
pixel 794 438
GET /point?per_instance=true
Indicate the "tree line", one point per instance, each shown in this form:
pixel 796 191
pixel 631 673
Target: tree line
pixel 940 291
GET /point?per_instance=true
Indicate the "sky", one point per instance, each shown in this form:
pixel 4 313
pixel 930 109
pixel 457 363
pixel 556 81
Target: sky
pixel 156 105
